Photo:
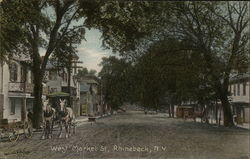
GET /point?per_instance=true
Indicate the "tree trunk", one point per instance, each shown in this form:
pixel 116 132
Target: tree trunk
pixel 169 111
pixel 227 112
pixel 37 107
pixel 216 111
pixel 220 114
pixel 172 110
pixel 38 77
pixel 207 109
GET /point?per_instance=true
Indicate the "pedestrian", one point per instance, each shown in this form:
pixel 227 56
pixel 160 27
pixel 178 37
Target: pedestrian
pixel 30 115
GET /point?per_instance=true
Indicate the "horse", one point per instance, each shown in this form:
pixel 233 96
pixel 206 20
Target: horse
pixel 66 116
pixel 49 114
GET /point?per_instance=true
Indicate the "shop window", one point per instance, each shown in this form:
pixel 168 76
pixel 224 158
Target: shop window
pixel 238 89
pixel 244 88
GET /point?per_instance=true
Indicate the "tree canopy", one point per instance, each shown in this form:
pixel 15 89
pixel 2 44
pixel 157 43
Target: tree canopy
pixel 190 53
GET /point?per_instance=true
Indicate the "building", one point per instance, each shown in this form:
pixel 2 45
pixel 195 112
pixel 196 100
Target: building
pixel 89 98
pixel 84 98
pixel 16 87
pixel 58 80
pixel 239 96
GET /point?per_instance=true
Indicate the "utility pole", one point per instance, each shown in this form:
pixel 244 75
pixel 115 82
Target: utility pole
pixel 70 66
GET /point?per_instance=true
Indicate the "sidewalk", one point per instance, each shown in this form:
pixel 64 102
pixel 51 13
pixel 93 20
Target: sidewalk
pixel 213 122
pixel 86 118
pixel 82 119
pixel 244 125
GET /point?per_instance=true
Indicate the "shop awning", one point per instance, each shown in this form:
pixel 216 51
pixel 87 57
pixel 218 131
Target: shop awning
pixel 58 94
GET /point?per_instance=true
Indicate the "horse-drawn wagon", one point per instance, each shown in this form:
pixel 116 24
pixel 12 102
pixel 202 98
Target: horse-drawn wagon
pixel 56 111
pixel 11 129
pixel 184 112
pixel 188 112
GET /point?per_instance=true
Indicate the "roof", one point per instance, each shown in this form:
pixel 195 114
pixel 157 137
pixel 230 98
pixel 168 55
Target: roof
pixel 185 106
pixel 89 80
pixel 241 76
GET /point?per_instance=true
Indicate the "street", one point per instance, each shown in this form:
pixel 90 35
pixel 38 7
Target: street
pixel 136 135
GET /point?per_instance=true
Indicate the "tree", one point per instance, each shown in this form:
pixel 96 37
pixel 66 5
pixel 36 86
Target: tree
pixel 170 73
pixel 123 24
pixel 115 84
pixel 219 32
pixel 42 29
pixel 10 34
pixel 92 72
pixel 83 72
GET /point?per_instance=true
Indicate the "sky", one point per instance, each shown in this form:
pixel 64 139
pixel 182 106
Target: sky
pixel 90 52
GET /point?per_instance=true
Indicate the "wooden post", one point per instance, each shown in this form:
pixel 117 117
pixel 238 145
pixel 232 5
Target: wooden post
pixel 219 115
pixel 243 109
pixel 1 105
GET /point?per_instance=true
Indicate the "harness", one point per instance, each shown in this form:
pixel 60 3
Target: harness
pixel 63 113
pixel 48 113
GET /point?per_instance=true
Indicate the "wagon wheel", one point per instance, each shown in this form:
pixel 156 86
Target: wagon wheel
pixel 27 129
pixel 13 134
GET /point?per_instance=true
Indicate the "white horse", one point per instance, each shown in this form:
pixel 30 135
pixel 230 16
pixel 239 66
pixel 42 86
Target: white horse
pixel 66 116
pixel 49 114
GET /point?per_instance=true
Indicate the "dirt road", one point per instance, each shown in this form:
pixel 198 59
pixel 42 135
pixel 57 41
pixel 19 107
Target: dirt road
pixel 134 135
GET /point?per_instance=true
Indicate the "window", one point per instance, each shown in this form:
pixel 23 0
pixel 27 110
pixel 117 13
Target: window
pixel 66 77
pixel 238 89
pixel 244 88
pixel 23 74
pixel 54 75
pixel 13 72
pixel 50 75
pixel 31 77
pixel 13 106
